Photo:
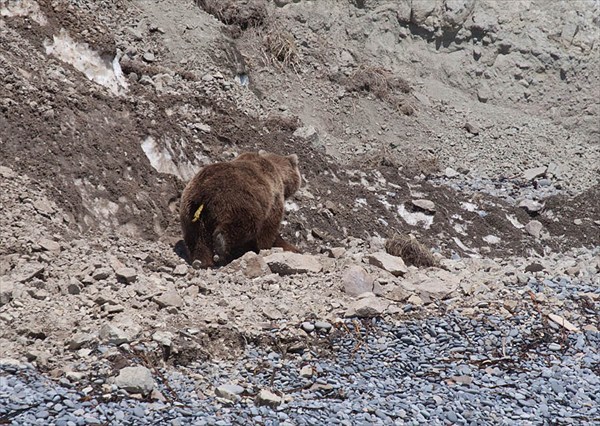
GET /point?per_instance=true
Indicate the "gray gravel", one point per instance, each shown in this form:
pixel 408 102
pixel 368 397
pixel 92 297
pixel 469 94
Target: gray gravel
pixel 509 189
pixel 441 370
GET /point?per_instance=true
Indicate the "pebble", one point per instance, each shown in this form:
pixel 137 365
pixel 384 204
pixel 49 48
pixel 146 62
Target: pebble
pixel 128 275
pixel 393 264
pixel 149 57
pixel 554 347
pixel 42 414
pixel 307 326
pixel 323 325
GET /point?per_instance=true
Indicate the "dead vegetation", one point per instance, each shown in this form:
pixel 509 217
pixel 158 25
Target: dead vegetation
pixel 377 80
pixel 276 121
pixel 410 250
pixel 279 47
pixel 243 13
pixel 418 163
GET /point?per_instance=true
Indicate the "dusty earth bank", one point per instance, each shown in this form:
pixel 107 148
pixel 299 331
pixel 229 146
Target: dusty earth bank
pixel 472 126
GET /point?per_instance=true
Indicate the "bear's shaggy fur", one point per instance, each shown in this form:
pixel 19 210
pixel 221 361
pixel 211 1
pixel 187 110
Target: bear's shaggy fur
pixel 233 207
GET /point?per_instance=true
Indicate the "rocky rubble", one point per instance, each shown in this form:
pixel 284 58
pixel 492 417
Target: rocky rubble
pixel 109 300
pixel 470 127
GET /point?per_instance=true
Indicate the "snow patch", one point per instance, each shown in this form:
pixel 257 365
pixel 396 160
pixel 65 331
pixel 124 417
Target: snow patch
pixel 29 8
pixel 291 206
pixel 384 201
pixel 103 209
pixel 460 229
pixel 415 218
pixel 491 239
pixel 104 71
pixel 470 207
pixel 460 244
pixel 512 219
pixel 164 160
pixel 360 202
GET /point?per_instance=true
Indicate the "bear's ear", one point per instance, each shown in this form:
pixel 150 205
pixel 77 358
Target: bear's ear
pixel 293 159
pixel 262 152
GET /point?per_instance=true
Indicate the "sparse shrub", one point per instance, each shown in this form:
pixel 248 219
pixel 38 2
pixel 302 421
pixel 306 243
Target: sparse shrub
pixel 410 250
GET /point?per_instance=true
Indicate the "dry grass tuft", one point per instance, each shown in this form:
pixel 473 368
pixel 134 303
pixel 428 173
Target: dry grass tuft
pixel 244 13
pixel 379 81
pixel 280 47
pixel 282 122
pixel 411 251
pixel 418 163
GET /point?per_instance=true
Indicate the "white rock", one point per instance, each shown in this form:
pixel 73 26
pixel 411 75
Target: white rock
pixel 112 334
pixel 169 298
pixel 450 172
pixel 101 274
pixel 253 265
pixel 113 309
pixel 534 228
pixel 76 376
pixel 10 362
pixel 323 325
pixel 308 132
pixel 307 326
pixel 563 322
pixel 268 398
pixel 401 292
pixel 337 252
pixel 484 93
pixel 491 239
pixel 229 391
pixel 135 380
pixel 43 206
pixel 421 10
pixel 436 289
pixel 28 271
pixel 368 307
pixel 180 269
pixel 49 245
pixel 149 57
pixel 128 275
pixel 6 291
pixel 415 300
pixel 393 264
pixel 287 263
pixel 163 337
pixel 7 173
pixel 272 313
pixel 306 371
pixel 427 205
pixel 531 206
pixel 79 340
pixel 535 172
pixel 356 281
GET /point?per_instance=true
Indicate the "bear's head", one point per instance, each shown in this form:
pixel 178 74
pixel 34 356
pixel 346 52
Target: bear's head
pixel 287 165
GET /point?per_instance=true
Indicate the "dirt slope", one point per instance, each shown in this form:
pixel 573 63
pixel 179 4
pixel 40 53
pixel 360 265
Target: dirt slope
pixel 111 107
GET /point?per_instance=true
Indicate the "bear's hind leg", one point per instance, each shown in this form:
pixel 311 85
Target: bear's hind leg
pixel 280 242
pixel 269 235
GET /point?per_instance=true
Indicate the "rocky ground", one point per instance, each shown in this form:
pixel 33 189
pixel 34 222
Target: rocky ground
pixel 471 126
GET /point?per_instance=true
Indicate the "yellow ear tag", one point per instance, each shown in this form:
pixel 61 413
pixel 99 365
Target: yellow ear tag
pixel 198 213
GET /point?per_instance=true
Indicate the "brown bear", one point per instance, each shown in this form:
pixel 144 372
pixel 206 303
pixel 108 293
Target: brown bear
pixel 233 207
